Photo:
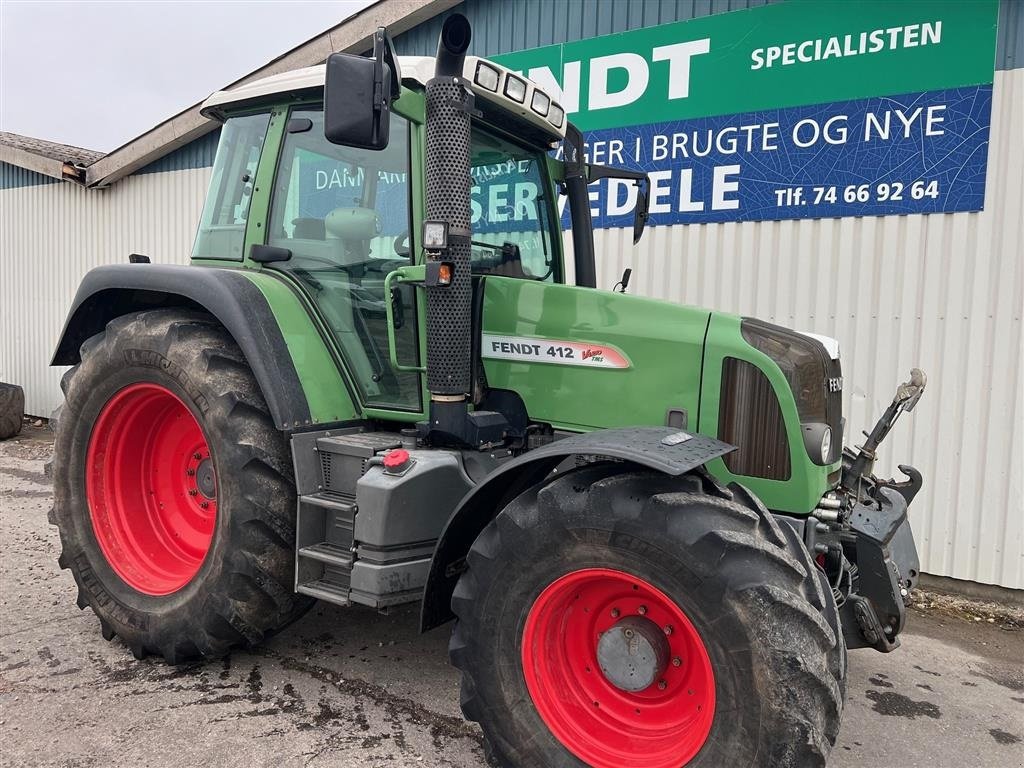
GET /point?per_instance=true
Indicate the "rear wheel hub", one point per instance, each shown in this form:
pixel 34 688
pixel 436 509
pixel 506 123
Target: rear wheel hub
pixel 151 488
pixel 617 671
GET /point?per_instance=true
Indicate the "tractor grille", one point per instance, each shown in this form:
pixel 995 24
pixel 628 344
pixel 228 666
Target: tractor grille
pixel 750 418
pixel 814 378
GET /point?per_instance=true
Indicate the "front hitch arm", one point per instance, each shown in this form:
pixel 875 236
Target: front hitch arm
pixel 907 396
pixel 886 558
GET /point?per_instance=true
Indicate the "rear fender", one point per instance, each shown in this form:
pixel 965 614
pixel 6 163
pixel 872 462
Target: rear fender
pixel 233 299
pixel 661 448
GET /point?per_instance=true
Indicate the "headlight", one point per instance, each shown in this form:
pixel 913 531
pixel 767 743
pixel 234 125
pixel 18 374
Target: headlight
pixel 515 88
pixel 814 379
pixel 435 235
pixel 818 442
pixel 540 103
pixel 556 115
pixel 802 361
pixel 487 77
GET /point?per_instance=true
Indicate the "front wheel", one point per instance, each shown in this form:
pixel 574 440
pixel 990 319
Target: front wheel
pixel 172 490
pixel 620 619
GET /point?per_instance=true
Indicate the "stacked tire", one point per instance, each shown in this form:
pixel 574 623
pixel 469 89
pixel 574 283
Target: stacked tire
pixel 12 410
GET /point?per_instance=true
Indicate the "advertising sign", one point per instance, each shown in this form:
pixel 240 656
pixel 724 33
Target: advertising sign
pixel 802 109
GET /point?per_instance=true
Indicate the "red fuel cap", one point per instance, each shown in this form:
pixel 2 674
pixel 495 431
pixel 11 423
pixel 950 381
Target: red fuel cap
pixel 396 460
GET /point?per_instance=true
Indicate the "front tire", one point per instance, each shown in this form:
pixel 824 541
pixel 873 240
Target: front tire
pixel 744 668
pixel 173 491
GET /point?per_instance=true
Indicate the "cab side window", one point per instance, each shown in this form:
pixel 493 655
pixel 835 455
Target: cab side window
pixel 344 213
pixel 222 226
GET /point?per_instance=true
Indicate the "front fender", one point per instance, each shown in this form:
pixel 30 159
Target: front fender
pixel 664 449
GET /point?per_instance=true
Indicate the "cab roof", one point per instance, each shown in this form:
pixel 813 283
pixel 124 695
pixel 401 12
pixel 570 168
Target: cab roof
pixel 416 72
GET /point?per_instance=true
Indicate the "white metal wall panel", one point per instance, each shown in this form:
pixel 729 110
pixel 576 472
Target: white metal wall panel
pixel 940 292
pixel 52 234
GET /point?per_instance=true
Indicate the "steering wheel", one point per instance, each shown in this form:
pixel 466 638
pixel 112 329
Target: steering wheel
pixel 401 245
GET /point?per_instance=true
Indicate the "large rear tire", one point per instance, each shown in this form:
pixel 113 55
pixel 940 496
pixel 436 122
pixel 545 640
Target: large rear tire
pixel 728 662
pixel 12 410
pixel 173 490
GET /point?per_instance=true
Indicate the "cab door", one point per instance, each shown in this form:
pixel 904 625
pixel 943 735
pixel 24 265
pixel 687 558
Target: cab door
pixel 346 215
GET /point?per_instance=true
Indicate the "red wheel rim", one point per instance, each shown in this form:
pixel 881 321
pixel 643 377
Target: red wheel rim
pixel 662 726
pixel 151 488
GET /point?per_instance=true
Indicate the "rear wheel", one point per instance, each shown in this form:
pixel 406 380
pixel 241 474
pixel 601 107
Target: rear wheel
pixel 619 618
pixel 172 490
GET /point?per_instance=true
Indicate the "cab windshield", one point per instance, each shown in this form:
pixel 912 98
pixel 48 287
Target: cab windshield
pixel 512 210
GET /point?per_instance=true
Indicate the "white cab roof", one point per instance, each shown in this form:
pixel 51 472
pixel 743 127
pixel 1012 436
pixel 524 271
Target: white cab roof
pixel 418 69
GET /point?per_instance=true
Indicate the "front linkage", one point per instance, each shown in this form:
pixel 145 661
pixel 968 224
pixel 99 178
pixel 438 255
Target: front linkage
pixel 863 537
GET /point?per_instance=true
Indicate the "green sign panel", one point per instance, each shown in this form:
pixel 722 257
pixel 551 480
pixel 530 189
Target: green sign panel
pixel 793 53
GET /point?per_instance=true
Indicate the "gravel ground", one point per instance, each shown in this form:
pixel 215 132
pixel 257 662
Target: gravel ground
pixel 347 687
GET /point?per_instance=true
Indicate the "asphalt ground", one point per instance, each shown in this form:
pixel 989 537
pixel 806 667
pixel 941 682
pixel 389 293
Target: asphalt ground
pixel 348 687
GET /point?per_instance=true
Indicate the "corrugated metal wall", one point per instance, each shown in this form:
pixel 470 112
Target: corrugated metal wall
pixel 515 25
pixel 943 292
pixel 52 234
pixel 1010 35
pixel 13 176
pixel 940 292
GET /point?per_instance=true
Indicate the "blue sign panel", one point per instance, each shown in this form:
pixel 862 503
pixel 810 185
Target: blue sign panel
pixel 915 153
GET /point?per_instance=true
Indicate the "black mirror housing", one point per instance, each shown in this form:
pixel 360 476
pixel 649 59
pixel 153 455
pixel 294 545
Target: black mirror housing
pixel 355 114
pixel 358 92
pixel 643 189
pixel 642 210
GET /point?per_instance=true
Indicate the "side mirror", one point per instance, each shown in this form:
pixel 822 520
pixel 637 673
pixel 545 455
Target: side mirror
pixel 358 93
pixel 641 212
pixel 639 178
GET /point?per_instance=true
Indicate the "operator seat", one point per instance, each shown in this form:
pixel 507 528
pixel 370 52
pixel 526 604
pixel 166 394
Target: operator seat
pixel 355 228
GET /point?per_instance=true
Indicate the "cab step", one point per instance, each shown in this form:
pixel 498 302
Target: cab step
pixel 325 590
pixel 330 467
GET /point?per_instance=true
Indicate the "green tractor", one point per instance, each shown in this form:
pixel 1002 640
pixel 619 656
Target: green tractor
pixel 373 385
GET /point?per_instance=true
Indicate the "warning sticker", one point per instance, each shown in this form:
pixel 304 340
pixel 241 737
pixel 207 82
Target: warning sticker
pixel 528 349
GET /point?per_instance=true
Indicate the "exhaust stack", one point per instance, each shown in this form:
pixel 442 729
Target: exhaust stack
pixel 449 307
pixel 448 187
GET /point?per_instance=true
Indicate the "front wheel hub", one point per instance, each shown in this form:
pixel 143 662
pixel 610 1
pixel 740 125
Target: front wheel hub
pixel 206 480
pixel 633 654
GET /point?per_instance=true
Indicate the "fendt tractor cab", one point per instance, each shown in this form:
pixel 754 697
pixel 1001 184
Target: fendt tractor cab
pixel 373 385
